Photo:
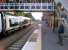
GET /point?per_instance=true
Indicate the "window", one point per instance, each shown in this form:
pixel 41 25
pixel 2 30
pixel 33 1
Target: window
pixel 32 7
pixel 22 7
pixel 27 7
pixel 49 7
pixel 44 7
pixel 16 7
pixel 13 22
pixel 1 7
pixel 38 7
pixel 25 21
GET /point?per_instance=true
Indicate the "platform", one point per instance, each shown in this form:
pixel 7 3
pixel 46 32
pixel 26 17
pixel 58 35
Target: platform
pixel 34 41
pixel 50 39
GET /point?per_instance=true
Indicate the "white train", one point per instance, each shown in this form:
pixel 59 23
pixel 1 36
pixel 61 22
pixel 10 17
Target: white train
pixel 10 23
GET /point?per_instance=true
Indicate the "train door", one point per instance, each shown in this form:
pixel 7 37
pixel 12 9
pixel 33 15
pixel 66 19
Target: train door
pixel 3 18
pixel 0 23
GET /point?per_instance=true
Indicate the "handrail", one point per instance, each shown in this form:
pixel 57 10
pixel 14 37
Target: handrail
pixel 26 6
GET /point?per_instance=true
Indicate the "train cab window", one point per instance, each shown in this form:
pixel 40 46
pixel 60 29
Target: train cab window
pixel 13 23
pixel 25 21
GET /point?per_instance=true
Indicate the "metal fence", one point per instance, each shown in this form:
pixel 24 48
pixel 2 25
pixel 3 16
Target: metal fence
pixel 27 6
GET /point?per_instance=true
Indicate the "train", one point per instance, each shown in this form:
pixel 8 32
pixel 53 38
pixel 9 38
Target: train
pixel 9 23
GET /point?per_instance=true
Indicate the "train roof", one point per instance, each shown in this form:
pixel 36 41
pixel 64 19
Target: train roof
pixel 19 17
pixel 24 17
pixel 9 16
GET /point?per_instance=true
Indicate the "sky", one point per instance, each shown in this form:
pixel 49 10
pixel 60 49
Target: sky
pixel 37 15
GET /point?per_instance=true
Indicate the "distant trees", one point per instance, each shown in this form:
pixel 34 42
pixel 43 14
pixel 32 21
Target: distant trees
pixel 28 14
pixel 20 13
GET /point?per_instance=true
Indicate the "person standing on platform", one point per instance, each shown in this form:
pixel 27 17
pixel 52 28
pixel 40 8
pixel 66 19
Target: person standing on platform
pixel 61 32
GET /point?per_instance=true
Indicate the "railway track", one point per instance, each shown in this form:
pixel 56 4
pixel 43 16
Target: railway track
pixel 20 43
pixel 12 42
